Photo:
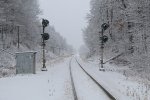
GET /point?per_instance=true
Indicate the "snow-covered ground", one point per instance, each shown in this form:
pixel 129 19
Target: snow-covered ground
pixel 8 61
pixel 55 84
pixel 85 87
pixel 51 85
pixel 116 82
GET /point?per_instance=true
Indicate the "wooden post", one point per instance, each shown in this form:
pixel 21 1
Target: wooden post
pixel 18 35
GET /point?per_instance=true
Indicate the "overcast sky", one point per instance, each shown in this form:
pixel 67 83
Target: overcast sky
pixel 68 17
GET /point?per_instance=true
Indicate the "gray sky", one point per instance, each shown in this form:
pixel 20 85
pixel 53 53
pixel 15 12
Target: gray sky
pixel 68 17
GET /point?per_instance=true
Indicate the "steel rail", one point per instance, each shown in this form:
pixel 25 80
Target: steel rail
pixel 72 82
pixel 95 81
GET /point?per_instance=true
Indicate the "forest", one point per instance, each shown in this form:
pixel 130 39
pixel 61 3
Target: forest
pixel 21 29
pixel 128 33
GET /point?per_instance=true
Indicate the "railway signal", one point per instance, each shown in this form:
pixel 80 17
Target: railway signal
pixel 103 39
pixel 45 23
pixel 45 36
pixel 105 26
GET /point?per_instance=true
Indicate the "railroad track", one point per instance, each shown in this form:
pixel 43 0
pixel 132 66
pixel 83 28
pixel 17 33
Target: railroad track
pixel 97 83
pixel 72 82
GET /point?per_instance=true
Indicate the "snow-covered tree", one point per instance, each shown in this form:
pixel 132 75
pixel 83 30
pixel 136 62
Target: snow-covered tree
pixel 19 20
pixel 129 29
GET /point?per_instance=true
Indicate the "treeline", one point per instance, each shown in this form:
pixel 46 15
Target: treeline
pixel 21 29
pixel 129 30
pixel 21 17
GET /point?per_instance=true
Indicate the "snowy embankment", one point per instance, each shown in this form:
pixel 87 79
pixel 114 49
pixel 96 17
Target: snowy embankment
pixel 85 87
pixel 115 81
pixel 54 84
pixel 8 61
